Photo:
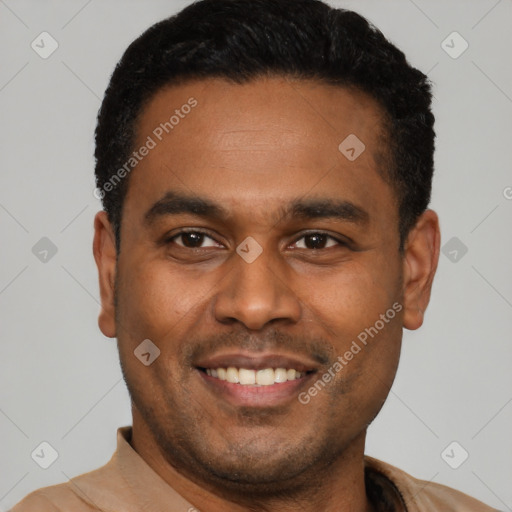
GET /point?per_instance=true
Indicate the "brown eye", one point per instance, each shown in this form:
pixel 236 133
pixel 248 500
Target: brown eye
pixel 193 240
pixel 317 241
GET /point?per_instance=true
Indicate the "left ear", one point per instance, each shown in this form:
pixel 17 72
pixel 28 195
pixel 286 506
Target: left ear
pixel 421 255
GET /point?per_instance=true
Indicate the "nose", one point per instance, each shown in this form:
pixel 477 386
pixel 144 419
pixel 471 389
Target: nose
pixel 257 293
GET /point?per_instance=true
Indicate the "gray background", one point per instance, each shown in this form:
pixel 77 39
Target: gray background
pixel 60 378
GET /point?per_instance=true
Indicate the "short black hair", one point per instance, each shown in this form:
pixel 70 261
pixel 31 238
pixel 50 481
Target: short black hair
pixel 241 40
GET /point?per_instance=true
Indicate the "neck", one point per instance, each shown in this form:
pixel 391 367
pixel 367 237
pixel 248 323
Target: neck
pixel 332 487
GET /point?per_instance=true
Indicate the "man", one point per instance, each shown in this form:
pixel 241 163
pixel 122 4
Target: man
pixel 265 168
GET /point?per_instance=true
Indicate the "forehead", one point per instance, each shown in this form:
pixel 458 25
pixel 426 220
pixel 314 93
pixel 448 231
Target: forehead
pixel 301 113
pixel 259 142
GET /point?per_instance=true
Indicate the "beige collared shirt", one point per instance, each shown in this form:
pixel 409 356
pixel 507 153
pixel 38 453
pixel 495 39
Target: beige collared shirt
pixel 127 484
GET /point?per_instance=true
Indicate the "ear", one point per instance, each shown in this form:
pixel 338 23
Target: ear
pixel 421 255
pixel 104 249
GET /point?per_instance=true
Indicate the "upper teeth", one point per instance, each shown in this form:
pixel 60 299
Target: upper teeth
pixel 244 376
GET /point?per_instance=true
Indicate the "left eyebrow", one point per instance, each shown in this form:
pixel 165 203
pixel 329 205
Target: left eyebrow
pixel 326 209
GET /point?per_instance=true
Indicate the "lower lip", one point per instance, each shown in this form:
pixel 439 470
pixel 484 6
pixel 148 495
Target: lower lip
pixel 252 395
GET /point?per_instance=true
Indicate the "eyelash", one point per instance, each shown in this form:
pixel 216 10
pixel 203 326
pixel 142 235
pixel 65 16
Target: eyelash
pixel 171 239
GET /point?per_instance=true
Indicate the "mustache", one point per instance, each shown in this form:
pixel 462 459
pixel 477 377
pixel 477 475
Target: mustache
pixel 272 340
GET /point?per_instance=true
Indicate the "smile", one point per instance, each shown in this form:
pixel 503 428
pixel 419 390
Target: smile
pixel 248 377
pixel 262 379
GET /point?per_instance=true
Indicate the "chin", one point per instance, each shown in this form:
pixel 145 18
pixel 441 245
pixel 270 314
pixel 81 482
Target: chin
pixel 252 467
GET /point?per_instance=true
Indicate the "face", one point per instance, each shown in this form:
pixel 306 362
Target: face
pixel 264 265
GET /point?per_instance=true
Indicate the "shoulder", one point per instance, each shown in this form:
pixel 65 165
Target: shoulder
pixel 56 498
pixel 83 493
pixel 422 496
pixel 103 488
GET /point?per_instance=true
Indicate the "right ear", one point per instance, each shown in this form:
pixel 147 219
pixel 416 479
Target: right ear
pixel 104 250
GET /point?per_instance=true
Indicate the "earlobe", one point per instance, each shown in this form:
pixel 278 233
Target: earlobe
pixel 104 250
pixel 421 256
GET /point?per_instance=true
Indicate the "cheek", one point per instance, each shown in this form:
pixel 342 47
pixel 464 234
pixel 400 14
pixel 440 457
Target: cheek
pixel 154 304
pixel 148 298
pixel 152 299
pixel 351 298
pixel 358 310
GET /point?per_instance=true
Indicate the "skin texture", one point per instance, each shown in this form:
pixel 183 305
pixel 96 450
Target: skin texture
pixel 253 149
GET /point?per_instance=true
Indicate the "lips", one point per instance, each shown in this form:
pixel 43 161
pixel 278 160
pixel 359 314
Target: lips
pixel 246 372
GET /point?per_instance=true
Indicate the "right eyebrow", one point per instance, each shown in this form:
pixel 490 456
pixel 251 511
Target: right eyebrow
pixel 173 203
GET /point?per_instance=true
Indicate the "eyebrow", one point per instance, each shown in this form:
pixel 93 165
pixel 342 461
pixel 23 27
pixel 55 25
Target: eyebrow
pixel 174 203
pixel 328 209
